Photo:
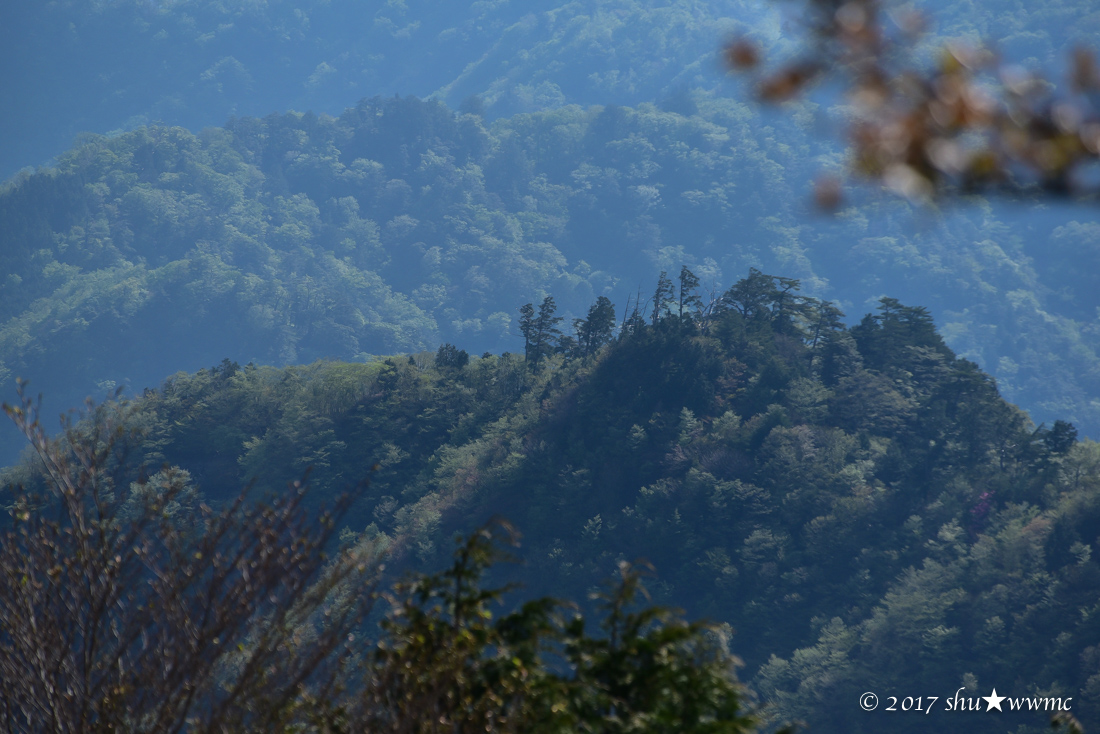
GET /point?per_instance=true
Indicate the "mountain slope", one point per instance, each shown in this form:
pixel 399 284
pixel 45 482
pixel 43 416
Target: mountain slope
pixel 118 64
pixel 858 503
pixel 400 225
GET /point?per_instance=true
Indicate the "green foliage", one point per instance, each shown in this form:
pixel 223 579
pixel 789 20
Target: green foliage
pixel 662 299
pixel 444 663
pixel 651 671
pixel 451 357
pixel 145 610
pixel 780 478
pixel 545 334
pixel 689 301
pixel 233 59
pixel 400 225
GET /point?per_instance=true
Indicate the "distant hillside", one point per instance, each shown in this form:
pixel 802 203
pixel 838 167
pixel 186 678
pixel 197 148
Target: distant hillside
pixel 401 225
pixel 859 504
pixel 118 64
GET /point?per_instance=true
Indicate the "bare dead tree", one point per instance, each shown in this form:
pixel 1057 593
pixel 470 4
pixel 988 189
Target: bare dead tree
pixel 126 604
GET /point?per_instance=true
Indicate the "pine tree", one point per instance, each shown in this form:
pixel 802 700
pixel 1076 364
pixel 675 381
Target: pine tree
pixel 527 328
pixel 546 332
pixel 451 357
pixel 662 297
pixel 596 330
pixel 689 299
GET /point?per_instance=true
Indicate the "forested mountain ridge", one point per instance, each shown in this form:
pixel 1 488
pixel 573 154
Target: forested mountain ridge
pixel 118 64
pixel 853 501
pixel 859 504
pixel 400 225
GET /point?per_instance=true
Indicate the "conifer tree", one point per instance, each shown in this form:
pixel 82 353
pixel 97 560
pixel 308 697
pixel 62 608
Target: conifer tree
pixel 689 299
pixel 527 328
pixel 596 330
pixel 662 297
pixel 545 332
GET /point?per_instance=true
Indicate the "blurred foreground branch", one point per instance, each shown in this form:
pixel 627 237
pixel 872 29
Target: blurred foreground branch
pixel 444 664
pixel 126 604
pixel 973 122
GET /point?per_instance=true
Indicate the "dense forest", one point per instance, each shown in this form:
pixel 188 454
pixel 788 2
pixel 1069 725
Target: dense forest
pixel 223 59
pixel 400 225
pixel 439 381
pixel 855 504
pixel 83 65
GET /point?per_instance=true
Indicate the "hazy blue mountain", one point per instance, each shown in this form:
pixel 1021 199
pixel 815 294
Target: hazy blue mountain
pixel 400 225
pixel 72 67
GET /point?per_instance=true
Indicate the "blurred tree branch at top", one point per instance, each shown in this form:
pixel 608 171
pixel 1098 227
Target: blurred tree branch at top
pixel 971 122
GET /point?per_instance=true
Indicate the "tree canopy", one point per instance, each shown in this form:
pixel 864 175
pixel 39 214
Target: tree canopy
pixel 855 503
pixel 401 225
